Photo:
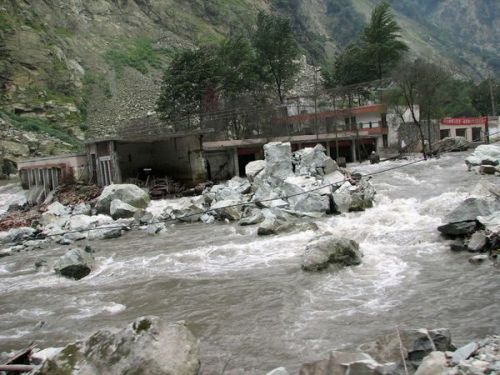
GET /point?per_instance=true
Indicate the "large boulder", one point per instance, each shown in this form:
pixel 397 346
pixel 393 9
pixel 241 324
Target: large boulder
pixel 75 264
pixel 251 216
pixel 121 210
pixel 17 234
pixel 491 222
pixel 305 194
pixel 357 197
pixel 462 221
pixel 55 215
pixel 477 242
pixel 85 222
pixel 227 209
pixel 186 209
pixel 471 208
pixel 267 196
pixel 278 157
pixel 450 144
pixel 105 233
pixel 128 193
pixel 313 162
pixel 328 249
pixel 230 190
pixel 147 346
pixel 484 153
pixel 253 168
pixel 434 364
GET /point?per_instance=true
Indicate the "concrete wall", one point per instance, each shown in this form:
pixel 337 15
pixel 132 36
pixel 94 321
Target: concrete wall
pixel 222 164
pixel 75 164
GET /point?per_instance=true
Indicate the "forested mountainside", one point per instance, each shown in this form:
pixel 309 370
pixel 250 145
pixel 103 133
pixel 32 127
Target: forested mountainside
pixel 70 65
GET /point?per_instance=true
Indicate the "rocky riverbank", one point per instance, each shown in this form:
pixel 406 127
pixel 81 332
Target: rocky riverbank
pixel 149 345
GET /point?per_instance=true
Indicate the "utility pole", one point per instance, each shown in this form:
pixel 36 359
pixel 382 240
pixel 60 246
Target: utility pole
pixel 492 97
pixel 316 70
pixel 493 109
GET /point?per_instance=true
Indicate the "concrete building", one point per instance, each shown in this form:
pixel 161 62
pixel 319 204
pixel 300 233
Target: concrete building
pixel 142 158
pixel 42 175
pixel 471 128
pixel 348 133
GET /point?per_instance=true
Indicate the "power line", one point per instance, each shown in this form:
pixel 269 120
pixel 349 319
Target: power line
pixel 241 204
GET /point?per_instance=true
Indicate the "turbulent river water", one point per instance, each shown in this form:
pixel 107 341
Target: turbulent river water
pixel 246 297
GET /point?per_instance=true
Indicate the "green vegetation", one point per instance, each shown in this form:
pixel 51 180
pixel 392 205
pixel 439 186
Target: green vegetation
pixel 276 51
pixel 139 54
pixel 38 125
pixel 373 56
pixel 6 23
pixel 196 79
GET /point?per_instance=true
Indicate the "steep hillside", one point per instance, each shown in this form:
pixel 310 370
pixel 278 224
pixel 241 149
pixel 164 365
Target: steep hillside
pixel 85 67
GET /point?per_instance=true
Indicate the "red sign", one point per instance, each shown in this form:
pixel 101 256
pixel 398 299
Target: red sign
pixel 464 121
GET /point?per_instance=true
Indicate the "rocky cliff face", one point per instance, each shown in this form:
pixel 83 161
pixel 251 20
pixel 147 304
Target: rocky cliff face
pixel 83 68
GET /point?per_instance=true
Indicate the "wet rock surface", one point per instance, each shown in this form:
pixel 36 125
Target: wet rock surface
pixel 147 346
pixel 75 264
pixel 127 193
pixel 327 250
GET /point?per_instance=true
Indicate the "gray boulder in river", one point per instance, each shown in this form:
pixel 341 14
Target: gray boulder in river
pixel 462 221
pixel 328 249
pixel 147 346
pixel 75 264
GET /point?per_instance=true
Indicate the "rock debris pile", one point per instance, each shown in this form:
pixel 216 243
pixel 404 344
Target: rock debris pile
pixel 485 159
pixel 284 186
pixel 418 352
pixel 474 226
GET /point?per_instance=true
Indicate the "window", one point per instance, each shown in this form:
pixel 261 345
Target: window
pixel 385 141
pixel 461 133
pixel 444 133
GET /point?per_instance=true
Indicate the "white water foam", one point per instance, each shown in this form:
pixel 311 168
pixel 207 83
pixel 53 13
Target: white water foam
pixel 11 194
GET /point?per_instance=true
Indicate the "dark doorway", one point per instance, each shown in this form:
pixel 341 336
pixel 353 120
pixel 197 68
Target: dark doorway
pixel 366 147
pixel 243 160
pixel 476 134
pixel 444 133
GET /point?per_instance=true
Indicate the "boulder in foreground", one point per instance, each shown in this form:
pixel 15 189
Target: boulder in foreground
pixel 147 346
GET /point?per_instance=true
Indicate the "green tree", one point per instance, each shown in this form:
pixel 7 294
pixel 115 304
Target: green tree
pixel 381 40
pixel 481 97
pixel 419 83
pixel 276 50
pixel 239 72
pixel 350 67
pixel 185 82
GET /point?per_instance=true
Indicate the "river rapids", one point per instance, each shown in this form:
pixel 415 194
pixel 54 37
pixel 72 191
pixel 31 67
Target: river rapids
pixel 246 297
